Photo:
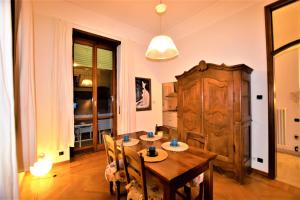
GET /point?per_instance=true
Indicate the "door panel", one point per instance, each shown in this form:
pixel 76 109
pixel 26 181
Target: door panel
pixel 192 107
pixel 83 95
pixel 104 92
pixel 218 117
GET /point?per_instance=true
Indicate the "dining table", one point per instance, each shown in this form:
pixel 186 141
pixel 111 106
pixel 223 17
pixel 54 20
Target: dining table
pixel 179 168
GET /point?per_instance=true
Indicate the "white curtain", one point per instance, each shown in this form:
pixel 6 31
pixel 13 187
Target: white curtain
pixel 25 83
pixel 62 87
pixel 126 89
pixel 8 163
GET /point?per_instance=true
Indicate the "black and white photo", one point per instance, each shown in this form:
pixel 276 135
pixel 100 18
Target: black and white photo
pixel 143 93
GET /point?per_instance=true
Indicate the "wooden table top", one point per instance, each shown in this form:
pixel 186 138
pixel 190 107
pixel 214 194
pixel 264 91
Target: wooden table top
pixel 178 165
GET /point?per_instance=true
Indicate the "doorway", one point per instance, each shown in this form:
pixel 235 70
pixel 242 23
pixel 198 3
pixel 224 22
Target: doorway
pixel 94 89
pixel 283 60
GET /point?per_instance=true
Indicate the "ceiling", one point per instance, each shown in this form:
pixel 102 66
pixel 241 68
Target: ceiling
pixel 141 13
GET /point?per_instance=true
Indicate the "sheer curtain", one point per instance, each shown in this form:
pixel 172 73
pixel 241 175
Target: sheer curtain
pixel 62 86
pixel 126 89
pixel 25 85
pixel 8 163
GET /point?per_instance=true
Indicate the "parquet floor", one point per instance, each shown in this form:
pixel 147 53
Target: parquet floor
pixel 84 179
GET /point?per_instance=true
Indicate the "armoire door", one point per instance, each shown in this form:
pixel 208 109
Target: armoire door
pixel 191 107
pixel 218 117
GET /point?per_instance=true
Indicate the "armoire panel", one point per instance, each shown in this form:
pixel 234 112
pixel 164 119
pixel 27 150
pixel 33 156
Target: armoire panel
pixel 218 117
pixel 191 103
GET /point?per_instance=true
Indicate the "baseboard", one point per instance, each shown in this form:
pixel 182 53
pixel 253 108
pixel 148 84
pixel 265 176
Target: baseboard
pixel 260 172
pixel 61 163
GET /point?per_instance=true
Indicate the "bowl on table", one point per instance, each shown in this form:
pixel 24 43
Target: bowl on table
pixel 150 134
pixel 126 138
pixel 151 151
pixel 174 143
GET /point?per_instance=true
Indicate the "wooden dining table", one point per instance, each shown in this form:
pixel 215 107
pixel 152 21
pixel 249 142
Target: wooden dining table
pixel 178 168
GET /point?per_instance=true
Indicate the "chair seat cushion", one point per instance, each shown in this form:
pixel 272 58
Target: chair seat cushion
pixel 196 181
pixel 134 191
pixel 111 173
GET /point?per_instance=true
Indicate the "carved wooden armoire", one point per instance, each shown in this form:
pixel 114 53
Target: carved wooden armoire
pixel 214 101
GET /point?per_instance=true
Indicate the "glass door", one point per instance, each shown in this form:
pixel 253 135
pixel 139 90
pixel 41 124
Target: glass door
pixel 83 95
pixel 94 68
pixel 105 91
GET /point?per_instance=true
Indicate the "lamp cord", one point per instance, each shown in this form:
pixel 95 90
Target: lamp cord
pixel 160 20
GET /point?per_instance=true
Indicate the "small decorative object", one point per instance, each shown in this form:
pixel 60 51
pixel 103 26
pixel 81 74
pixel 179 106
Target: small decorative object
pixel 143 93
pixel 42 166
pixel 126 138
pixel 152 151
pixel 174 142
pixel 150 134
pixel 75 105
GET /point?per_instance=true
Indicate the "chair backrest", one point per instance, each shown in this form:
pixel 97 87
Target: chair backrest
pixel 196 140
pixel 111 149
pixel 164 129
pixel 135 168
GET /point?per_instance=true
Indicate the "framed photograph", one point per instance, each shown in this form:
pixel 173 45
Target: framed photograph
pixel 142 93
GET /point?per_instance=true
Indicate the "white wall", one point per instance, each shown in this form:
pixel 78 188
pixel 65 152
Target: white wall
pixel 237 38
pixel 45 13
pixel 146 120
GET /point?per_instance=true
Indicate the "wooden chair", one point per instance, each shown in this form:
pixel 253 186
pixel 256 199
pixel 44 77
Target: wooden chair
pixel 138 187
pixel 162 129
pixel 114 173
pixel 196 140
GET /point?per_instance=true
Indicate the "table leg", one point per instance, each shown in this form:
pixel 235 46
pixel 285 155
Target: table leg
pixel 208 182
pixel 169 192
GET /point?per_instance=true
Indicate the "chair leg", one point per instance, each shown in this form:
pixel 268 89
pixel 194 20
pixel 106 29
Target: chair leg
pixel 187 191
pixel 201 186
pixel 118 190
pixel 111 187
pixel 79 139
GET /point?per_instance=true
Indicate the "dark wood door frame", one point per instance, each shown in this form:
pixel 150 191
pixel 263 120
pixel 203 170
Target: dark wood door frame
pixel 96 41
pixel 271 52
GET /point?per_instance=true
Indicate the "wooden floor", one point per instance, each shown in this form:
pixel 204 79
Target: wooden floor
pixel 84 179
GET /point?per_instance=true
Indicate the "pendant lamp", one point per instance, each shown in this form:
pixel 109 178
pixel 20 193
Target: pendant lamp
pixel 161 47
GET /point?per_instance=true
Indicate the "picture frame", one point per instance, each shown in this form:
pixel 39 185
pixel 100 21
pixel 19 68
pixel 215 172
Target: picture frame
pixel 143 94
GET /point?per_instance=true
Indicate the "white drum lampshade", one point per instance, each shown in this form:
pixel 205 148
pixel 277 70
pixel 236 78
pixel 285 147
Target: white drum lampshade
pixel 161 47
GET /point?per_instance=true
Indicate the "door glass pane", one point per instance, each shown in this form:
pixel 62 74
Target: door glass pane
pixel 82 81
pixel 286 24
pixel 104 90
